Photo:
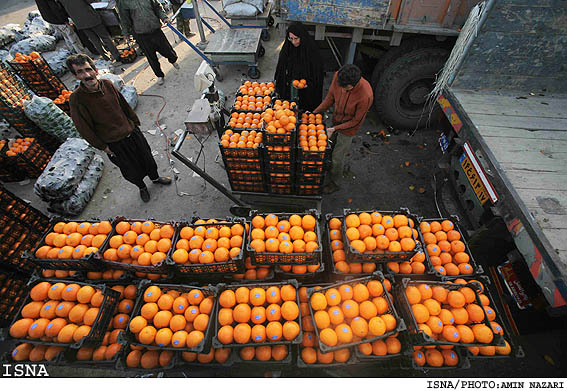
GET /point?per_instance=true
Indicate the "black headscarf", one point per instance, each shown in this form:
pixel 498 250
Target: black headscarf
pixel 302 62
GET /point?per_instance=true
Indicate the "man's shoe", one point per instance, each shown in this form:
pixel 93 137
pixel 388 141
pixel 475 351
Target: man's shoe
pixel 160 80
pixel 330 188
pixel 162 180
pixel 145 194
pixel 175 65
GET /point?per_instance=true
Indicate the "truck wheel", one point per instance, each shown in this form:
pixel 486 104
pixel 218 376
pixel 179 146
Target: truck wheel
pixel 401 92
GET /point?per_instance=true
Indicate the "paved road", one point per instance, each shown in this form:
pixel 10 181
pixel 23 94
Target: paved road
pixel 15 11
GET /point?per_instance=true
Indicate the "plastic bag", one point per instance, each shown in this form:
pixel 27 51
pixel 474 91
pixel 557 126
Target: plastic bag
pixel 7 36
pixel 103 66
pixel 50 118
pixel 131 95
pixel 241 9
pixel 56 60
pixel 226 3
pixel 75 204
pixel 115 79
pixel 37 26
pixel 39 43
pixel 5 56
pixel 33 14
pixel 259 4
pixel 64 171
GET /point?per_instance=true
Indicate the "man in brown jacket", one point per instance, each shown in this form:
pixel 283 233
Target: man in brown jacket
pixel 352 96
pixel 105 119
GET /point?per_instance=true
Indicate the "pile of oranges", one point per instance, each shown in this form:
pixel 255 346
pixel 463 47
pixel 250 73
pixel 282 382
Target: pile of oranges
pixel 309 347
pixel 312 135
pixel 446 250
pixel 140 357
pixel 63 97
pixel 109 346
pixel 452 315
pixel 23 58
pixel 264 353
pixel 245 139
pixel 299 84
pixel 127 53
pixel 255 88
pixel 252 103
pixel 59 312
pixel 258 315
pixel 381 347
pixel 74 240
pixel 339 255
pixel 170 318
pixel 139 243
pixel 219 356
pixel 435 356
pixel 293 235
pixel 281 118
pixel 49 273
pixel 374 233
pixel 253 272
pixel 247 120
pixel 208 243
pixel 354 312
pixel 17 146
pixel 31 352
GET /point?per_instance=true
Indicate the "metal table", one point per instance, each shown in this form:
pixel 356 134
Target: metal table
pixel 263 20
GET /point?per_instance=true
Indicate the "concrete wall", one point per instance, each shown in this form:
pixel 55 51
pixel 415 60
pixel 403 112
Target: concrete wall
pixel 521 47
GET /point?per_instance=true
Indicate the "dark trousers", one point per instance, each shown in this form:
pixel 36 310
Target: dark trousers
pixel 100 33
pixel 134 158
pixel 153 43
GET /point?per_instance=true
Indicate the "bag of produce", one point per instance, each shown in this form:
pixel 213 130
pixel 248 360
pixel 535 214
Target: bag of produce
pixel 75 204
pixel 50 118
pixel 241 9
pixel 37 26
pixel 115 79
pixel 7 35
pixel 39 43
pixel 131 96
pixel 56 60
pixel 65 170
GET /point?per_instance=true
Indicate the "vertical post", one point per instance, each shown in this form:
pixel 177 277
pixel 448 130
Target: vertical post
pixel 203 41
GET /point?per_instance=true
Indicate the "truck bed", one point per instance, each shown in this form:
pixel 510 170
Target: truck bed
pixel 524 137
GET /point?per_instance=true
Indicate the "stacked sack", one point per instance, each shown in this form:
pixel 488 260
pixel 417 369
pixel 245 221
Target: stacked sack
pixel 50 118
pixel 243 7
pixel 70 179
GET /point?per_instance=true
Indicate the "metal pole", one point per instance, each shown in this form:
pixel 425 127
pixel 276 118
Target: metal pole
pixel 203 41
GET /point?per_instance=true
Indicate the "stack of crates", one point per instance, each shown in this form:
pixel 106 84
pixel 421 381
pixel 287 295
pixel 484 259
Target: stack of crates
pixel 279 150
pixel 313 154
pixel 29 162
pixel 22 228
pixel 13 93
pixel 39 77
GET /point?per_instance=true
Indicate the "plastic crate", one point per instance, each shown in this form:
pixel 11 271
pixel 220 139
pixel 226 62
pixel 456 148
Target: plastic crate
pixel 314 156
pixel 242 164
pixel 317 275
pixel 251 187
pixel 271 364
pixel 69 359
pixel 309 190
pixel 91 262
pixel 182 364
pixel 102 321
pixel 238 93
pixel 234 280
pixel 311 167
pixel 253 111
pixel 279 179
pixel 160 268
pixel 377 276
pixel 281 156
pixel 240 153
pixel 127 337
pixel 13 292
pixel 275 166
pixel 235 265
pixel 406 349
pixel 7 357
pixel 122 367
pixel 303 365
pixel 312 179
pixel 128 59
pixel 478 270
pixel 39 77
pixel 16 209
pixel 248 176
pixel 221 288
pixel 32 161
pixel 279 139
pixel 14 259
pixel 419 337
pixel 356 256
pixel 463 363
pixel 267 258
pixel 279 189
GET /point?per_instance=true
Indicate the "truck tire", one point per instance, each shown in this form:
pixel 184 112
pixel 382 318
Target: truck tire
pixel 401 92
pixel 407 45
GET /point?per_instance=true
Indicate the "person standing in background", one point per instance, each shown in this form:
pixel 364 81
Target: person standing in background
pixel 300 59
pixel 142 19
pixel 89 21
pixel 53 12
pixel 182 24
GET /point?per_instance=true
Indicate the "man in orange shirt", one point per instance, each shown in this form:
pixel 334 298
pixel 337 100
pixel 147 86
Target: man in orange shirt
pixel 352 97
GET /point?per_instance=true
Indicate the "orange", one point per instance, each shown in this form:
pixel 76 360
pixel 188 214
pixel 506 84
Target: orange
pixel 460 315
pixel 451 333
pixel 368 310
pixel 195 337
pixel 274 331
pixel 420 313
pixel 377 326
pixel 352 220
pixel 318 301
pixel 456 299
pixel 333 297
pixel 290 330
pixel 344 333
pixel 350 308
pixel 289 310
pixel 147 335
pixel 257 296
pixel 227 299
pixel 329 337
pixel 273 312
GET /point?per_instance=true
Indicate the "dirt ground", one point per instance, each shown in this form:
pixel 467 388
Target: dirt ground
pixel 390 173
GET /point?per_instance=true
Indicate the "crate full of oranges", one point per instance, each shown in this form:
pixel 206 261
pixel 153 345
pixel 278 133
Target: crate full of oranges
pixel 250 103
pixel 285 239
pixel 380 235
pixel 258 315
pixel 138 245
pixel 353 312
pixel 447 248
pixel 72 245
pixel 65 313
pixel 426 358
pixel 279 123
pixel 256 88
pixel 128 56
pixel 209 247
pixel 446 313
pixel 172 317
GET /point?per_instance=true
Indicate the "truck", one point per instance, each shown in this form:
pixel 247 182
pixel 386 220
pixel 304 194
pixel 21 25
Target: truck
pixel 505 154
pixel 409 41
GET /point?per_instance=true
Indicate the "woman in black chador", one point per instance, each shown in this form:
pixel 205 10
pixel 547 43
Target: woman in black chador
pixel 300 59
